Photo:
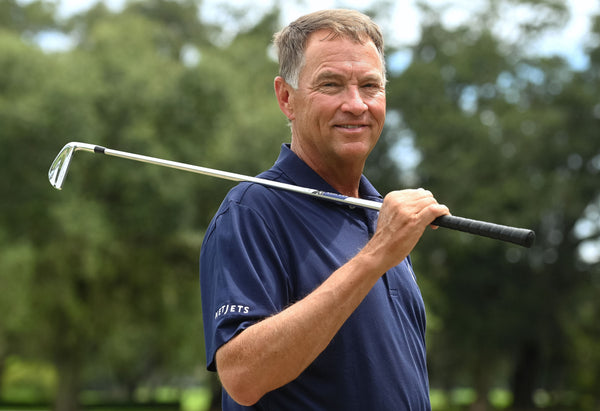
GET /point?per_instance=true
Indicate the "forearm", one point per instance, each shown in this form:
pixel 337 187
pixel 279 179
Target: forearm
pixel 275 351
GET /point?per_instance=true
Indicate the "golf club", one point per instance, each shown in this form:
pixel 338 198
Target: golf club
pixel 60 166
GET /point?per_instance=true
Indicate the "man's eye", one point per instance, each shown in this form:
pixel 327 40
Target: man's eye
pixel 329 87
pixel 372 89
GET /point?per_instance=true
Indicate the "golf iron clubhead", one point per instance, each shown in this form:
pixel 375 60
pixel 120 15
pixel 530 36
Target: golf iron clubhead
pixel 60 165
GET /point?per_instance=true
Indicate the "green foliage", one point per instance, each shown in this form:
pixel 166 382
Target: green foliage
pixel 27 382
pixel 512 141
pixel 26 19
pixel 103 276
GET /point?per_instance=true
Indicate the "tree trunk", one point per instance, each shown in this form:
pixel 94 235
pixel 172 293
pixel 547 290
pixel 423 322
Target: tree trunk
pixel 525 375
pixel 68 386
pixel 3 357
pixel 482 384
pixel 215 388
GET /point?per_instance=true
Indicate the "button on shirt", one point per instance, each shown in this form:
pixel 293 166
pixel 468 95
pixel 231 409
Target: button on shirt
pixel 267 248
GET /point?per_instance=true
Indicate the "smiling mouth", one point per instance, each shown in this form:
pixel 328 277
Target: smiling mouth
pixel 350 126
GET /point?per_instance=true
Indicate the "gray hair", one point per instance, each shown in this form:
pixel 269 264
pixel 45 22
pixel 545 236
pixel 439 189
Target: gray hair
pixel 290 42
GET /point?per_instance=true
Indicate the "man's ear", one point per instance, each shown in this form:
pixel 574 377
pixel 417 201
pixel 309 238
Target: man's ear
pixel 284 93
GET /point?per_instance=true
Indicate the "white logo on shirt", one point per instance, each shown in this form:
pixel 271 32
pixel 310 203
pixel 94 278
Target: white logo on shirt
pixel 231 308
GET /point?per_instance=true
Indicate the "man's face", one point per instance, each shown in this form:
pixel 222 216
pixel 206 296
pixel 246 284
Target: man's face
pixel 338 110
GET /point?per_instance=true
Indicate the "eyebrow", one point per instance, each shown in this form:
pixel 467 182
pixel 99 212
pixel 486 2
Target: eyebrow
pixel 328 75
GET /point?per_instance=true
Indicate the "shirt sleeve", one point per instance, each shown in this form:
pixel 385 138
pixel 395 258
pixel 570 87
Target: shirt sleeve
pixel 242 275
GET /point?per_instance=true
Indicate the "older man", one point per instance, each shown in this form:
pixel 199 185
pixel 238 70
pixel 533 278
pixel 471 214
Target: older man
pixel 310 304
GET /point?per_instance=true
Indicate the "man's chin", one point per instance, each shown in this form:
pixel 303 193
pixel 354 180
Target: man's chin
pixel 356 149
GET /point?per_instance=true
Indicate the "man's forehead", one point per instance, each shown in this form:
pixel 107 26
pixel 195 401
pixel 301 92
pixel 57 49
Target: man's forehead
pixel 329 56
pixel 325 35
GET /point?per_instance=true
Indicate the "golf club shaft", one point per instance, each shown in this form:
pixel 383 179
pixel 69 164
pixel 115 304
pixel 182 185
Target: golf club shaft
pixel 520 236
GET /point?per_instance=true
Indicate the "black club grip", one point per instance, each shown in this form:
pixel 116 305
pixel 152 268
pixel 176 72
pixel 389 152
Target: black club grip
pixel 520 236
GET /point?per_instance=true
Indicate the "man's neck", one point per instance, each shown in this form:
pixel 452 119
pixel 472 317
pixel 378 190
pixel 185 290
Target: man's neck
pixel 343 177
pixel 345 181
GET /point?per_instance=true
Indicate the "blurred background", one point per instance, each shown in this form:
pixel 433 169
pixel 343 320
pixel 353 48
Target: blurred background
pixel 493 105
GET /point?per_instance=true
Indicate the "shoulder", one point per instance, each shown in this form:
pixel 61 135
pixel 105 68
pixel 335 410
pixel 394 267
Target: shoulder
pixel 248 201
pixel 251 196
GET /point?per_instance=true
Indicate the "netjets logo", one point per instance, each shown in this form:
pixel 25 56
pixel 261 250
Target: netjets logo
pixel 231 308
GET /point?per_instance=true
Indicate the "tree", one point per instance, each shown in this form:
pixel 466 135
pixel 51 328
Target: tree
pixel 27 19
pixel 507 138
pixel 109 265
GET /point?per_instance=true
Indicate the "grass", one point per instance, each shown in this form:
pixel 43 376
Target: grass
pixel 460 398
pixel 193 399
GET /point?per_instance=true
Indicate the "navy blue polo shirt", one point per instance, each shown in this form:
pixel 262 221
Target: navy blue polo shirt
pixel 267 248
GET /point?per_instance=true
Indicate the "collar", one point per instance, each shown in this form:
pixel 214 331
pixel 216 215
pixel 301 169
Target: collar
pixel 299 173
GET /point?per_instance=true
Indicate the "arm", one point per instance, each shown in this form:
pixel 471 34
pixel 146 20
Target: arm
pixel 275 351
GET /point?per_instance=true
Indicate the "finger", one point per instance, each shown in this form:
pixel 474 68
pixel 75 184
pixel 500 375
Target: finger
pixel 439 210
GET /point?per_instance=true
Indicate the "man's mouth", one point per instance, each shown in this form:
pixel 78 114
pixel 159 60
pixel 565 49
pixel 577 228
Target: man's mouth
pixel 350 126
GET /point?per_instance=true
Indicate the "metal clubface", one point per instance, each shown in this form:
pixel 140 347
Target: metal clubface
pixel 60 165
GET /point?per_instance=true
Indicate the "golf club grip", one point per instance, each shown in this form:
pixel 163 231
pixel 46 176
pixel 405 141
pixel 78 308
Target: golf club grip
pixel 514 235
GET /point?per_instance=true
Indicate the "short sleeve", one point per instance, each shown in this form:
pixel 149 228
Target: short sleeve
pixel 243 277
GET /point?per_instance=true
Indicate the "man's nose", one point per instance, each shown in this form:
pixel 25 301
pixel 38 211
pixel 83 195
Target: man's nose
pixel 353 101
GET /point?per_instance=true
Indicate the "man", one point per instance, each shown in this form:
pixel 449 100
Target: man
pixel 309 304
